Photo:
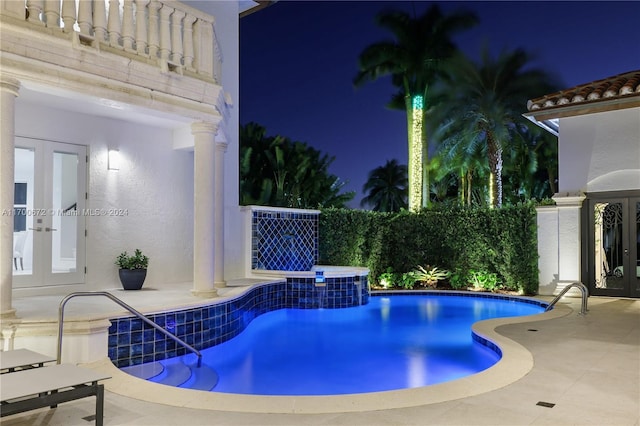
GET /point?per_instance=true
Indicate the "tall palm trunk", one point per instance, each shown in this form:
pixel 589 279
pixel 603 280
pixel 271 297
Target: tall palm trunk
pixel 426 196
pixel 494 152
pixel 415 133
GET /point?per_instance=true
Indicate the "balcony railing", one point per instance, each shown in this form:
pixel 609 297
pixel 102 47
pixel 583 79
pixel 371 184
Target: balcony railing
pixel 177 37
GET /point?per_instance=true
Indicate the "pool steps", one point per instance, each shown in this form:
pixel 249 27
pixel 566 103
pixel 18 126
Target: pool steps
pixel 177 372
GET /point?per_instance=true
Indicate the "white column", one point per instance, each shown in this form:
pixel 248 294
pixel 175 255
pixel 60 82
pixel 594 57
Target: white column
pixel 9 88
pixel 218 215
pixel 569 238
pixel 204 205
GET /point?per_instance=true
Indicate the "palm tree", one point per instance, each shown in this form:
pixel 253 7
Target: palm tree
pixel 413 60
pixel 531 166
pixel 276 171
pixel 386 187
pixel 484 106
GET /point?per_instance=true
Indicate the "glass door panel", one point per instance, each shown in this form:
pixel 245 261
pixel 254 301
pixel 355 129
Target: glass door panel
pixel 608 246
pixel 54 174
pixel 614 247
pixel 23 208
pixel 65 204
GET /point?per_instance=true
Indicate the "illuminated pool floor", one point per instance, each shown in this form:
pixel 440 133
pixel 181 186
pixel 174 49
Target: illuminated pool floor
pixel 391 343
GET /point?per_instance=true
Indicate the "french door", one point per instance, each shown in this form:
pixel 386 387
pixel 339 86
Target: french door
pixel 49 225
pixel 614 246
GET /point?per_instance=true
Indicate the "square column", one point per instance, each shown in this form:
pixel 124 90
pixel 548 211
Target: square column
pixel 569 238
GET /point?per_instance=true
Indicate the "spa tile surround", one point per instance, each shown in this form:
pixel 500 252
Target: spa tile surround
pixel 133 342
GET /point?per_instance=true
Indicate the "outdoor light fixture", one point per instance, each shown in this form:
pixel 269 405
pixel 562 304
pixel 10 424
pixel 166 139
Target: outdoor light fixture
pixel 113 160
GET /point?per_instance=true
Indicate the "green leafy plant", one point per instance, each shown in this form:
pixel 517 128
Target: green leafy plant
pixel 484 280
pixel 390 279
pixel 386 278
pixel 458 279
pixel 429 276
pixel 406 280
pixel 135 261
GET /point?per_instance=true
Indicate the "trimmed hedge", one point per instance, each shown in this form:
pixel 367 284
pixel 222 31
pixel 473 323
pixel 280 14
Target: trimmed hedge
pixel 501 241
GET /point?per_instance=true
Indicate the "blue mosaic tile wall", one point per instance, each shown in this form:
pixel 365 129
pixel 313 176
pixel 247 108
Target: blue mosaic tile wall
pixel 132 341
pixel 284 241
pixel 344 292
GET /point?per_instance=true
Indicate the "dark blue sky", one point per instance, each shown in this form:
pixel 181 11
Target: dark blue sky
pixel 298 60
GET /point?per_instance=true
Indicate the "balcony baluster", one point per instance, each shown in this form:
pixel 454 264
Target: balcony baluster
pixel 127 26
pixel 114 27
pixel 141 26
pixel 52 13
pixel 100 20
pixel 68 15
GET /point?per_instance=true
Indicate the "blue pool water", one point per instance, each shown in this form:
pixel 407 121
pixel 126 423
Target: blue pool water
pixel 401 341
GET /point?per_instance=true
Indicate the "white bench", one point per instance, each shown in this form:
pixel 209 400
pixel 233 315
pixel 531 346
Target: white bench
pixel 47 386
pixel 21 359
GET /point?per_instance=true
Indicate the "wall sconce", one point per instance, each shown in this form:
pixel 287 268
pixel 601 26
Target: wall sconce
pixel 113 160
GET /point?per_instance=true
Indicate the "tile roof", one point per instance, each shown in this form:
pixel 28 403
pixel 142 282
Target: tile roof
pixel 590 97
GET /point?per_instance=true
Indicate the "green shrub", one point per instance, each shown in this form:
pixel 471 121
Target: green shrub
pixel 458 279
pixel 501 241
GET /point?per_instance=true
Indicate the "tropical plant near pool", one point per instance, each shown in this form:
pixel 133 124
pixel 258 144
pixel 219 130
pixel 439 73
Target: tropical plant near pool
pixel 390 279
pixel 484 280
pixel 429 276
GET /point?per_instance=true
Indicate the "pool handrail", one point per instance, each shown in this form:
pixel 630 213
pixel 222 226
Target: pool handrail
pixel 128 308
pixel 585 295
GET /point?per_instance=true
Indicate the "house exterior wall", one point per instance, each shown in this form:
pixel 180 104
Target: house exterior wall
pixel 597 152
pixel 600 152
pixel 154 185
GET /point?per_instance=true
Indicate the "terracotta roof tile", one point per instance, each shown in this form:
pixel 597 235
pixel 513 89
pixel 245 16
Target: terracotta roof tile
pixel 616 87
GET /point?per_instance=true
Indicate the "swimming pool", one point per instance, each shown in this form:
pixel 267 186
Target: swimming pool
pixel 393 342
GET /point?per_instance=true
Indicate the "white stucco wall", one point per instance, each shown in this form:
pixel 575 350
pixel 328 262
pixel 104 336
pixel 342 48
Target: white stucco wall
pixel 154 184
pixel 600 152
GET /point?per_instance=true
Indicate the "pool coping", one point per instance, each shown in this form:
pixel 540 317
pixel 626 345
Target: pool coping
pixel 516 362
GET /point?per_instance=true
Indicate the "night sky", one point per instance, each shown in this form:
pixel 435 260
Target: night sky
pixel 298 60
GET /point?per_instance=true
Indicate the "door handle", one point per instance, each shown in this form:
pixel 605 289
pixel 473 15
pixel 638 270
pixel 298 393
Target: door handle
pixel 38 229
pixel 50 229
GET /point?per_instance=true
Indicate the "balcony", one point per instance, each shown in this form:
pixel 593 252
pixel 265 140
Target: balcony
pixel 156 54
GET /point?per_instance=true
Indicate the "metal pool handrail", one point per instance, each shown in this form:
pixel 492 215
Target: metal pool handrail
pixel 128 308
pixel 585 295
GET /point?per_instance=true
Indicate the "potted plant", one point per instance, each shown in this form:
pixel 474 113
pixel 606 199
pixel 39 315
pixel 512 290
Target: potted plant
pixel 133 269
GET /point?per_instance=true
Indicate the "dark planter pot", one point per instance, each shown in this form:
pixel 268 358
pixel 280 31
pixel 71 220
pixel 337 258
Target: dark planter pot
pixel 132 279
